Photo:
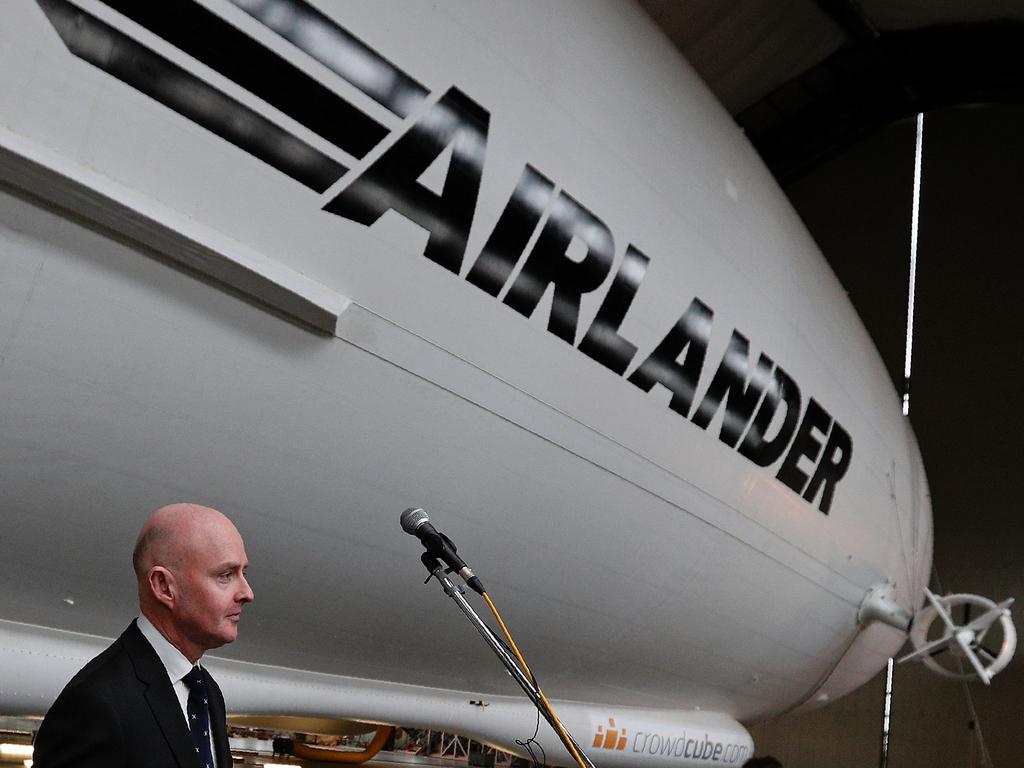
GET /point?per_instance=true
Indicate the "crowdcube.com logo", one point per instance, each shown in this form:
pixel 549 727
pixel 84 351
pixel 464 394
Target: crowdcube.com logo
pixel 612 738
pixel 674 746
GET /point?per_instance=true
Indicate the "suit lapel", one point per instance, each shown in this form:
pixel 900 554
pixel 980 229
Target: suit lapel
pixel 161 697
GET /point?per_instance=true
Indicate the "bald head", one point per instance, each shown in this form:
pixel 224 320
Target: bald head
pixel 171 532
pixel 190 562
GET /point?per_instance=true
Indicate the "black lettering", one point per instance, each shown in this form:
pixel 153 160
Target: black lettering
pixel 755 446
pixel 804 444
pixel 730 380
pixel 223 47
pixel 190 96
pixel 391 182
pixel 549 264
pixel 717 754
pixel 602 341
pixel 691 333
pixel 655 746
pixel 499 256
pixel 637 739
pixel 707 749
pixel 831 468
pixel 686 751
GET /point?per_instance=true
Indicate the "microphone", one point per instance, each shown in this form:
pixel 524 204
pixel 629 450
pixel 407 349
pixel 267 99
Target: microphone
pixel 416 523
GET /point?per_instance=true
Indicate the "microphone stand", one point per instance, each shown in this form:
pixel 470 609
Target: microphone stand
pixel 456 593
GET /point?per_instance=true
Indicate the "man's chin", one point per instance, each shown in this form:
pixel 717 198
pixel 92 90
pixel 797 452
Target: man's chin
pixel 227 634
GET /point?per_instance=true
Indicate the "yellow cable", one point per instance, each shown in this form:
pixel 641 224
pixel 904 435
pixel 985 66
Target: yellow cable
pixel 508 637
pixel 566 740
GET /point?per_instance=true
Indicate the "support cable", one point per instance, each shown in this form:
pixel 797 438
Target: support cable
pixel 986 758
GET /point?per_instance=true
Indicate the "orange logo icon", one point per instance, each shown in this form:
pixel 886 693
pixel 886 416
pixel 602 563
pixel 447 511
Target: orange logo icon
pixel 613 738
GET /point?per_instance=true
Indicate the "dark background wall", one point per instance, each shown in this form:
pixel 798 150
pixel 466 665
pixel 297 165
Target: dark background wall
pixel 968 367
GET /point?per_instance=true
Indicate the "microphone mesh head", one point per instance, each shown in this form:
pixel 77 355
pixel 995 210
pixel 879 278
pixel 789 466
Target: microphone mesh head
pixel 412 519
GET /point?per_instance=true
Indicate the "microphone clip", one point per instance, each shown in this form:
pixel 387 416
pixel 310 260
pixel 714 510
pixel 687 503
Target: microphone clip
pixel 432 564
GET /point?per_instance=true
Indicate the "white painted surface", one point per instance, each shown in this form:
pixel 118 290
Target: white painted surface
pixel 640 562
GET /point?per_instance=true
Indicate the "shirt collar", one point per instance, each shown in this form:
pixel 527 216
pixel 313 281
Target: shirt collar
pixel 174 662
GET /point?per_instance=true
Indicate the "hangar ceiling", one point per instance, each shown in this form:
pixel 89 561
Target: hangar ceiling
pixel 806 79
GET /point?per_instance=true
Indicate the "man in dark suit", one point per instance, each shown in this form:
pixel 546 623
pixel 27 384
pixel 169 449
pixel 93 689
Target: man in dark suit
pixel 145 701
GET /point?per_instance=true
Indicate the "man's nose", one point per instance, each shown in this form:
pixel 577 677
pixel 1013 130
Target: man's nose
pixel 246 595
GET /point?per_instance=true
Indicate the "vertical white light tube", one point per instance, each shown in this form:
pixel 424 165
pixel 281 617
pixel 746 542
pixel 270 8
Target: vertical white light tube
pixel 914 218
pixel 884 760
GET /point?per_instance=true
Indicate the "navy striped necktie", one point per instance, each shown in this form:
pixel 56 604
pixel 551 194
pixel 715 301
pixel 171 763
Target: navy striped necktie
pixel 199 716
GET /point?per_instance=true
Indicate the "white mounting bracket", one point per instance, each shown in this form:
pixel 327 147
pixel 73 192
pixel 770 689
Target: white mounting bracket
pixel 880 604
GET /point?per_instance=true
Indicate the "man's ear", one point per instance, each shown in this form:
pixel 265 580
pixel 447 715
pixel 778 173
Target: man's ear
pixel 162 585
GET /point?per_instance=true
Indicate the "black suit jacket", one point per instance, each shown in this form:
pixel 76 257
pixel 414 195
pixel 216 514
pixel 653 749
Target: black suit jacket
pixel 120 710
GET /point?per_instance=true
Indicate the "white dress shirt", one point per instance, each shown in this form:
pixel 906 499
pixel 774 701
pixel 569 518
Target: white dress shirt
pixel 177 667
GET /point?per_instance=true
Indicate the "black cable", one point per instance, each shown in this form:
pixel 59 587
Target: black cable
pixel 542 763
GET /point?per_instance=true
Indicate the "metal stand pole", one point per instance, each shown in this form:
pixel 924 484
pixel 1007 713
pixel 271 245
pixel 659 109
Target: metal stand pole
pixel 456 593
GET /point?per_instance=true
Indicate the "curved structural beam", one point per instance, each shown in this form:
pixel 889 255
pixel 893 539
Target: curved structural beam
pixel 306 752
